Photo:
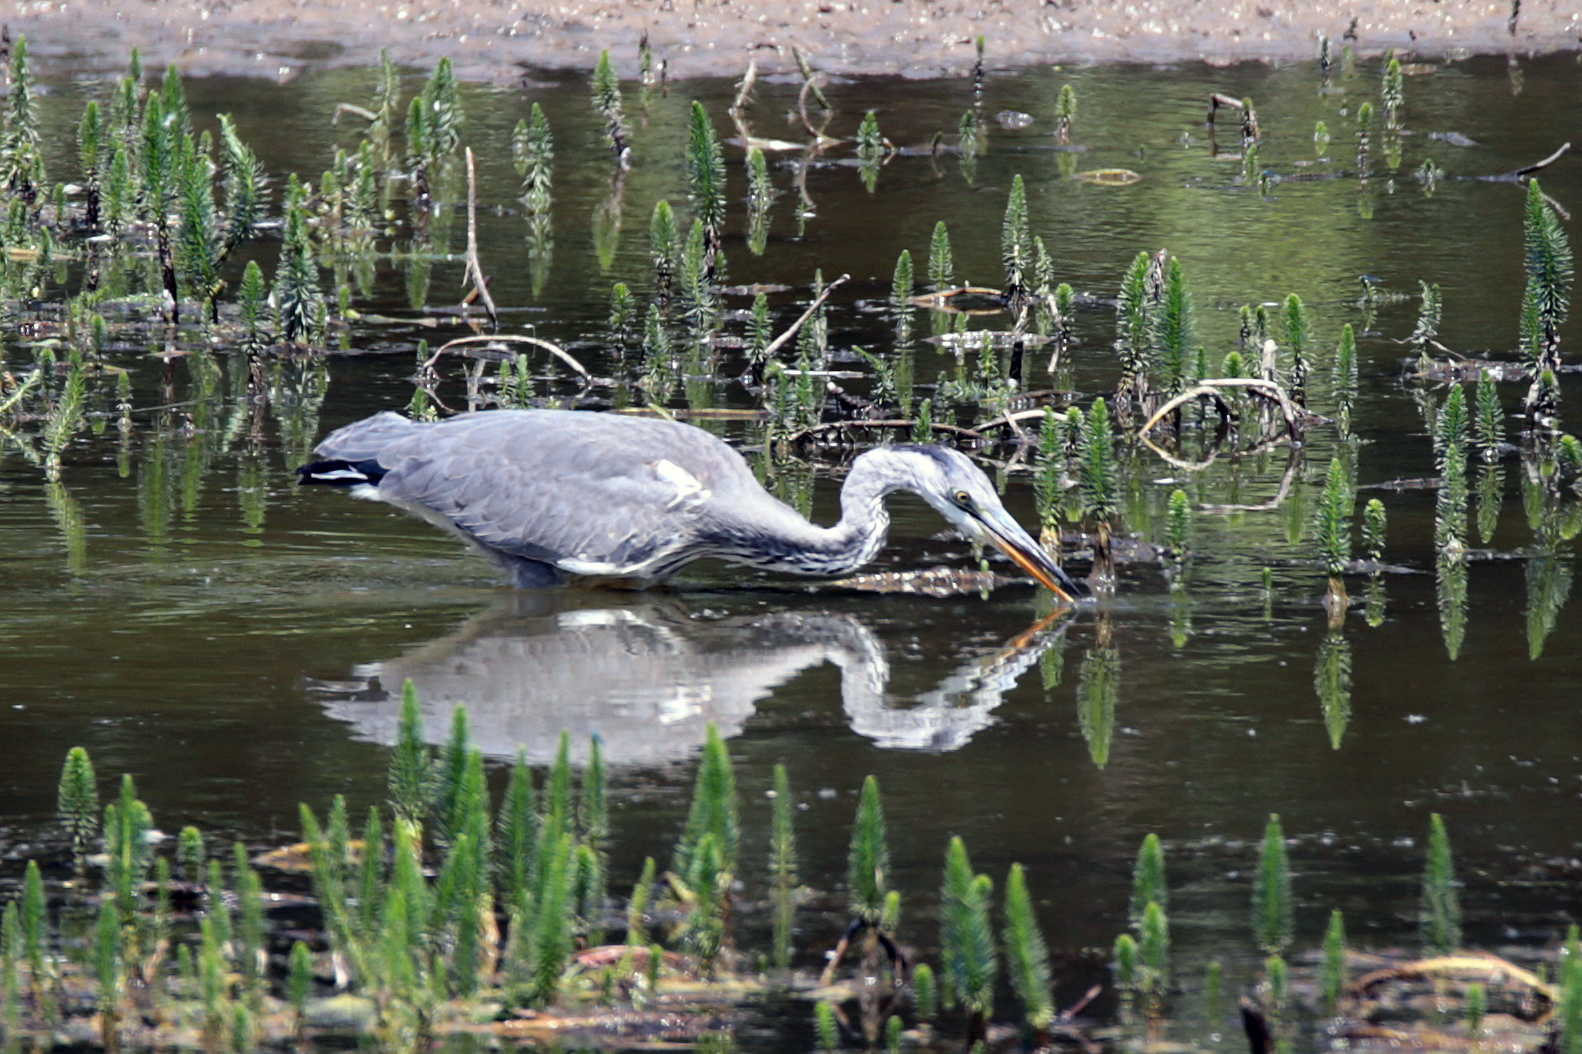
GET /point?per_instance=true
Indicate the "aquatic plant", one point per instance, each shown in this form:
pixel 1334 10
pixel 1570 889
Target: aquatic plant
pixel 1440 913
pixel 1148 880
pixel 706 181
pixel 967 948
pixel 1272 906
pixel 1332 521
pixel 941 266
pixel 298 299
pixel 870 150
pixel 1153 946
pixel 1392 92
pixel 760 196
pixel 1016 245
pixel 1027 955
pixel 868 860
pixel 1332 975
pixel 1065 113
pixel 607 103
pixel 783 866
pixel 1546 300
pixel 77 800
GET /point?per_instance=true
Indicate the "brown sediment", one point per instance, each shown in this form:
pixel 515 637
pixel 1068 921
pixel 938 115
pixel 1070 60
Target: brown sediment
pixel 498 41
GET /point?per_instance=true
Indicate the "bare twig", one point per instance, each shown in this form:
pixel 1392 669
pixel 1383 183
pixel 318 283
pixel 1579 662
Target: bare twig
pixel 519 338
pixel 474 270
pixel 1211 388
pixel 836 426
pixel 1522 173
pixel 346 107
pixel 780 341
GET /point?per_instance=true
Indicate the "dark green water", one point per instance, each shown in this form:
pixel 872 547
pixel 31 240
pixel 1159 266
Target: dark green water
pixel 232 640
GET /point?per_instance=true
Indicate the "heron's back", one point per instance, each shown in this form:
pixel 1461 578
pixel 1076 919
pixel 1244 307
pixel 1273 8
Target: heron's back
pixel 585 493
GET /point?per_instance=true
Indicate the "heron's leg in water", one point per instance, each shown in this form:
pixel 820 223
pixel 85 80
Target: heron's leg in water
pixel 530 574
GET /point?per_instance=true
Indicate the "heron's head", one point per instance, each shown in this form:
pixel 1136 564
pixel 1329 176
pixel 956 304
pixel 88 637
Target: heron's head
pixel 960 492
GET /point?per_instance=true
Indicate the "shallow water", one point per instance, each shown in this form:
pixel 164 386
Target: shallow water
pixel 238 644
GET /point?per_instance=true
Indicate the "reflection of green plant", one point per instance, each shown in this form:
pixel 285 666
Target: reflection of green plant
pixel 1098 688
pixel 1332 682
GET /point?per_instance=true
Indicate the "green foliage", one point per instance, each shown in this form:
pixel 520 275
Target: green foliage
pixel 1477 1002
pixel 1332 975
pixel 1440 912
pixel 1126 954
pixel 1570 1010
pixel 1098 690
pixel 1547 259
pixel 1392 93
pixel 127 824
pixel 1065 113
pixel 664 240
pixel 827 1027
pixel 607 103
pixel 1027 954
pixel 434 134
pixel 1178 524
pixel 1374 528
pixel 868 860
pixel 1016 242
pixel 1490 422
pixel 245 185
pixel 77 800
pixel 21 162
pixel 706 175
pixel 1099 481
pixel 1173 335
pixel 1154 948
pixel 297 297
pixel 1430 312
pixel 517 836
pixel 1320 138
pixel 1272 907
pixel 901 283
pixel 412 772
pixel 713 811
pixel 1332 520
pixel 1148 880
pixel 941 266
pixel 967 945
pixel 925 992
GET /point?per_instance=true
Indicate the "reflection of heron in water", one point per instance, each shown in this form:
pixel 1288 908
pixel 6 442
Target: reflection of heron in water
pixel 648 678
pixel 555 496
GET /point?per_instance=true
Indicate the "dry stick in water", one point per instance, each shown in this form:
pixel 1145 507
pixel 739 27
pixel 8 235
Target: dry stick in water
pixel 480 284
pixel 780 341
pixel 519 338
pixel 1210 388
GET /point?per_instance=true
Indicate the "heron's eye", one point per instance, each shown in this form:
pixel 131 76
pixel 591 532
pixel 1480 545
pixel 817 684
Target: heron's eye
pixel 962 498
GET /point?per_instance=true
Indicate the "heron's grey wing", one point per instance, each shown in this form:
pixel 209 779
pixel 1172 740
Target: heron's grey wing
pixel 577 494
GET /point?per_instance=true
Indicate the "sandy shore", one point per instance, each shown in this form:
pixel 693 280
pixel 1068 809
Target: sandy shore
pixel 499 41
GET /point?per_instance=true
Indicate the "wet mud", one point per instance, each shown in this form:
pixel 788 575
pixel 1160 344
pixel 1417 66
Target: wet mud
pixel 504 42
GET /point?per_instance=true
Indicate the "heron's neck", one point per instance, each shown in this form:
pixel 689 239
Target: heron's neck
pixel 799 547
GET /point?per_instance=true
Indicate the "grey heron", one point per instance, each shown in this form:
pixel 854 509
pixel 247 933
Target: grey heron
pixel 556 495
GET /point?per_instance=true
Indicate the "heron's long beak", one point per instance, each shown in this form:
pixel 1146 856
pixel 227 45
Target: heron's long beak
pixel 1008 537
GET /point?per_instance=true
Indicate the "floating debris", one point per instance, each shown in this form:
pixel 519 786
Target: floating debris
pixel 933 582
pixel 1108 177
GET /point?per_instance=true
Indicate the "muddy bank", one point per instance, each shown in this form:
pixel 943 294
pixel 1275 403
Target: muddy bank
pixel 501 41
